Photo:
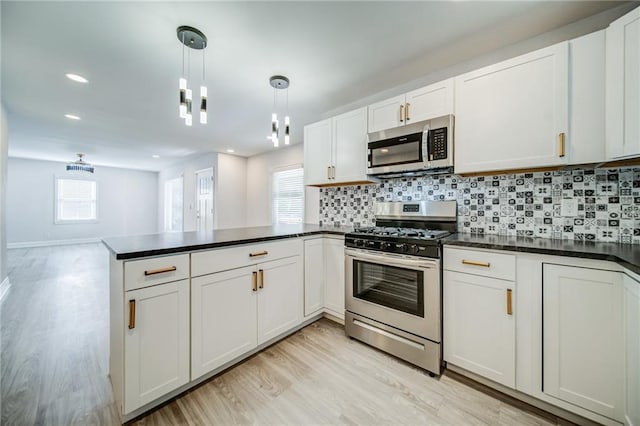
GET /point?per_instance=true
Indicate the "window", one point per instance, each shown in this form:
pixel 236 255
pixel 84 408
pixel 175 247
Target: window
pixel 288 196
pixel 173 205
pixel 75 200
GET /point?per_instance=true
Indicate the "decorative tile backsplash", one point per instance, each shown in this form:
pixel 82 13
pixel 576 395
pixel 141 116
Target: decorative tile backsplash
pixel 530 204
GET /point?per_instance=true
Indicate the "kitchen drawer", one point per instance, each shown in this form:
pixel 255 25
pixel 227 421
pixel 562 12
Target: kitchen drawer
pixel 222 259
pixel 155 270
pixel 478 262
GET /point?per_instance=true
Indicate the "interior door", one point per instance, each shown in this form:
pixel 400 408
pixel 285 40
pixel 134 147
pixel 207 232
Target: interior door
pixel 204 200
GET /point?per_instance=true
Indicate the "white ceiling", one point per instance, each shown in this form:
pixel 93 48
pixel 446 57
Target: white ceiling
pixel 333 52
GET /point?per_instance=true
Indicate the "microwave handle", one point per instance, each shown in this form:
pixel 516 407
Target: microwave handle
pixel 425 143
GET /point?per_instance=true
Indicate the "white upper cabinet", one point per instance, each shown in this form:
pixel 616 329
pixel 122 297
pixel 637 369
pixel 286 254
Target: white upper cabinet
pixel 335 150
pixel 514 114
pixel 425 103
pixel 318 142
pixel 623 87
pixel 586 138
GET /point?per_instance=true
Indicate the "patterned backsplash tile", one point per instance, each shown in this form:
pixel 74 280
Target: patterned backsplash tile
pixel 529 204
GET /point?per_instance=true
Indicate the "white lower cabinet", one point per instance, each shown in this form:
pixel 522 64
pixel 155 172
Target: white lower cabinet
pixel 313 276
pixel 583 338
pixel 632 351
pixel 232 312
pixel 156 342
pixel 479 326
pixel 334 276
pixel 223 318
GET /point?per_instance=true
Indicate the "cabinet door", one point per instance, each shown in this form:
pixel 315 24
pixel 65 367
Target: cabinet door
pixel 623 86
pixel 350 144
pixel 583 338
pixel 280 302
pixel 429 102
pixel 632 350
pixel 479 331
pixel 386 114
pixel 223 318
pixel 317 152
pixel 587 99
pixel 510 115
pixel 156 342
pixel 313 276
pixel 334 276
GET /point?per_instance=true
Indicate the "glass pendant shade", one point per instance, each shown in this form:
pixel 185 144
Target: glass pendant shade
pixel 203 105
pixel 183 97
pixel 286 130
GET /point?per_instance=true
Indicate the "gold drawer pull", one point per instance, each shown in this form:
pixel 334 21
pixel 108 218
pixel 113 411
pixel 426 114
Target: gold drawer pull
pixel 160 271
pixel 509 302
pixel 132 314
pixel 259 253
pixel 476 263
pixel 261 272
pixel 254 283
pixel 561 140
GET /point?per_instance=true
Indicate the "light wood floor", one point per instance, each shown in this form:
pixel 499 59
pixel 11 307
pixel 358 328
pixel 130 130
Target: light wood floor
pixel 54 366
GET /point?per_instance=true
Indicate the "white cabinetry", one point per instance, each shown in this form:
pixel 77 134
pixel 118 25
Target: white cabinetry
pixel 335 150
pixel 313 276
pixel 623 86
pixel 479 323
pixel 334 276
pixel 156 342
pixel 632 350
pixel 583 338
pixel 421 104
pixel 510 115
pixel 233 311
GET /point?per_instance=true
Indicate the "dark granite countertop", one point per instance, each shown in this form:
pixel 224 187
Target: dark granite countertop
pixel 627 255
pixel 137 246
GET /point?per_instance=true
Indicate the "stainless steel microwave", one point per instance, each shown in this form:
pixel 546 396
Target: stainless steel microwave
pixel 418 148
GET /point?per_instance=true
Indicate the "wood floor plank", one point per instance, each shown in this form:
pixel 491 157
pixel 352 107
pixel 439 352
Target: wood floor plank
pixel 54 371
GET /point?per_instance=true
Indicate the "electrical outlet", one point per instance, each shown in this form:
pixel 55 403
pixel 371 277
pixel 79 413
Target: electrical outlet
pixel 569 207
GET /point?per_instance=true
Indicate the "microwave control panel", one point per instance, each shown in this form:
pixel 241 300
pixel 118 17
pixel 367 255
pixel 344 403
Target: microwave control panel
pixel 438 144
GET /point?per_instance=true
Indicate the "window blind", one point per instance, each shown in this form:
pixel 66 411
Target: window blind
pixel 288 196
pixel 76 200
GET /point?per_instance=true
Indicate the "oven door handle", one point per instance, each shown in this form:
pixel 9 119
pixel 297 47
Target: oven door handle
pixel 391 260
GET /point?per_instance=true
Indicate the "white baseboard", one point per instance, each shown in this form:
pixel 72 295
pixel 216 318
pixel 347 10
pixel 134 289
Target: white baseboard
pixel 28 244
pixel 5 285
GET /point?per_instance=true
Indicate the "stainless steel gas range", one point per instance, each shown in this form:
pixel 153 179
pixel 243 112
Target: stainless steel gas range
pixel 393 277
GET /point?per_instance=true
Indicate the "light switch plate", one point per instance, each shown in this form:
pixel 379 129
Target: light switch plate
pixel 569 207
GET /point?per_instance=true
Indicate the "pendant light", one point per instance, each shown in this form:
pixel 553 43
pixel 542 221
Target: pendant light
pixel 80 165
pixel 196 40
pixel 279 82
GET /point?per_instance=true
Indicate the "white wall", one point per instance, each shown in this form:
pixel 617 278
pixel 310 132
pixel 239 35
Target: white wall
pixel 3 193
pixel 259 170
pixel 187 169
pixel 127 203
pixel 230 192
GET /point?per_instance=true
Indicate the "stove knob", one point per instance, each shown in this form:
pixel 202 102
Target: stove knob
pixel 359 243
pixel 415 248
pixel 403 247
pixel 386 246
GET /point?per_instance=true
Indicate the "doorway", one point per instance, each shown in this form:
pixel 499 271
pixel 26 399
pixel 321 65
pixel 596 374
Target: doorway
pixel 204 200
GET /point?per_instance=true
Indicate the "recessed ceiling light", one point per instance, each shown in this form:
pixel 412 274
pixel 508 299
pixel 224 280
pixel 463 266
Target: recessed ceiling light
pixel 77 78
pixel 230 151
pixel 72 116
pixel 155 156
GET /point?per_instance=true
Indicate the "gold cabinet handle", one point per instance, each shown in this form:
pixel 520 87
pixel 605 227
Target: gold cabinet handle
pixel 160 271
pixel 328 172
pixel 561 141
pixel 132 314
pixel 333 172
pixel 509 302
pixel 401 109
pixel 261 273
pixel 406 112
pixel 476 263
pixel 254 282
pixel 259 253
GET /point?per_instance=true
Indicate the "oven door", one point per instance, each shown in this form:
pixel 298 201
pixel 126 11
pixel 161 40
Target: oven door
pixel 399 291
